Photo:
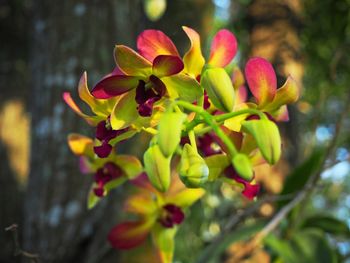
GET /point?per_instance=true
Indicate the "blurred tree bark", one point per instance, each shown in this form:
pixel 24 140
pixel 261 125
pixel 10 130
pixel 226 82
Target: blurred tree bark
pixel 14 121
pixel 67 38
pixel 274 28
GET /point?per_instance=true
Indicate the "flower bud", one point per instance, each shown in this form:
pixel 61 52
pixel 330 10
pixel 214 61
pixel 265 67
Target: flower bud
pixel 267 137
pixel 169 132
pixel 219 87
pixel 243 166
pixel 193 169
pixel 157 167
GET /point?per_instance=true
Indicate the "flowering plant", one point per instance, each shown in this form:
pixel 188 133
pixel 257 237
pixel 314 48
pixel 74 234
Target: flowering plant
pixel 202 126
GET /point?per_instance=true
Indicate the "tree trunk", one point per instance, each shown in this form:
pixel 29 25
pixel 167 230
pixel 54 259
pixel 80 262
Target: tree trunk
pixel 69 37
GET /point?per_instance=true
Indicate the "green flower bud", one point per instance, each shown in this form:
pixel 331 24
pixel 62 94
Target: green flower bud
pixel 193 169
pixel 169 132
pixel 267 137
pixel 219 87
pixel 243 166
pixel 157 167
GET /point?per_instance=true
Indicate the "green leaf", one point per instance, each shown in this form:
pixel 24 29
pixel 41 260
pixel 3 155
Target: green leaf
pixel 327 223
pixel 307 246
pixel 216 164
pixel 301 174
pixel 311 246
pixel 267 137
pixel 193 170
pixel 169 132
pixel 280 247
pixel 157 167
pixel 219 87
pixel 125 111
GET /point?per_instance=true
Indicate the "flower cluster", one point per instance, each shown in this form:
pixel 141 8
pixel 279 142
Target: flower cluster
pixel 203 128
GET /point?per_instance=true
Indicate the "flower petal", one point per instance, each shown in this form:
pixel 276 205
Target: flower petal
pixel 250 190
pixel 92 120
pixel 184 87
pixel 237 78
pixel 163 239
pixel 124 112
pixel 241 95
pixel 165 65
pixel 186 197
pixel 152 43
pixel 193 59
pixel 80 144
pixel 261 79
pixel 287 94
pixel 216 164
pixel 130 62
pixel 223 48
pixel 141 204
pixel 129 234
pixel 130 165
pixel 281 114
pixel 104 150
pixel 113 86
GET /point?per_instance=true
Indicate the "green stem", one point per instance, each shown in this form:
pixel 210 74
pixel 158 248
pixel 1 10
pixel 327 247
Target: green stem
pixel 210 121
pixel 229 115
pixel 192 139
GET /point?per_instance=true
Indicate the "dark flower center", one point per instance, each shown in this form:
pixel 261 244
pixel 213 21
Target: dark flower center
pixel 105 174
pixel 171 215
pixel 105 133
pixel 147 94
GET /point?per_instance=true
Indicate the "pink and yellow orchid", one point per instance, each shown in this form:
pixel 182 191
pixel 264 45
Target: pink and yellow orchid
pixel 158 214
pixel 143 71
pixel 262 82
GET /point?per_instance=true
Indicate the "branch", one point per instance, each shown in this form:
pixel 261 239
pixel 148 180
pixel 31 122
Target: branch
pixel 235 220
pixel 34 258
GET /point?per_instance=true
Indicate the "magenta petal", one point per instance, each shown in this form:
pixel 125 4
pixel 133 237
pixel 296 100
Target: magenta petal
pixel 152 43
pixel 114 85
pixel 250 190
pixel 261 79
pixel 165 65
pixel 223 48
pixel 103 150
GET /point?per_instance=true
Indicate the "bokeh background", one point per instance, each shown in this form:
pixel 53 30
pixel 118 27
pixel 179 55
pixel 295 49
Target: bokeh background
pixel 46 45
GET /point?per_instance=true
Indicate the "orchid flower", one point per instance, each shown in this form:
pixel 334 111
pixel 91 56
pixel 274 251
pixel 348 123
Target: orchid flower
pixel 158 213
pixel 102 108
pixel 144 71
pixel 262 82
pixel 108 172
